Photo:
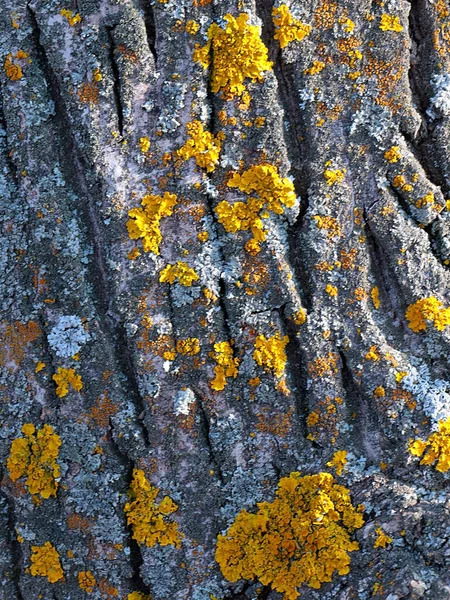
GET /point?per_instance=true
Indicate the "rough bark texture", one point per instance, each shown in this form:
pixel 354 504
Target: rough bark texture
pixel 357 377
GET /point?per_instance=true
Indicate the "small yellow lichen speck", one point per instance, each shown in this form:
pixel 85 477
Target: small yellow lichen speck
pixel 288 29
pixel 227 365
pixel 437 447
pixel 147 518
pixel 188 347
pixel 237 53
pixel 45 562
pixel 331 290
pixel 300 316
pixel 273 194
pixel 382 540
pixel 65 377
pixel 338 461
pixel 181 271
pixel 202 145
pixel 270 354
pixel 144 144
pixel 72 18
pixel 144 223
pixel 379 392
pixel 393 155
pixel 86 581
pixel 427 309
pixel 35 456
pixel 302 537
pixel 390 23
pixel 333 176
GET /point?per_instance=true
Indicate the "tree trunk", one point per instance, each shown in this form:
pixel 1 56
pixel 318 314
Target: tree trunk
pixel 275 302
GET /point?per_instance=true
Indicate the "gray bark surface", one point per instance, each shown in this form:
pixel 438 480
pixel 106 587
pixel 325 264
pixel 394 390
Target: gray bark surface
pixel 70 170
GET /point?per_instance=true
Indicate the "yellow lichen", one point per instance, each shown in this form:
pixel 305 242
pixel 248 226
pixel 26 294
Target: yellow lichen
pixel 333 176
pixel 393 155
pixel 147 518
pixel 72 18
pixel 379 392
pixel 331 290
pixel 227 365
pixel 273 193
pixel 39 366
pixel 302 537
pixel 270 354
pixel 181 271
pixel 338 461
pixel 427 309
pixel 288 29
pixel 328 223
pixel 144 223
pixel 437 447
pixel 188 347
pixel 237 53
pixel 202 145
pixel 13 71
pixel 425 201
pixel 375 295
pixel 34 456
pixel 45 562
pixel 144 144
pixel 316 68
pixel 192 27
pixel 300 316
pixel 382 540
pixel 86 581
pixel 390 23
pixel 65 377
pixel 138 596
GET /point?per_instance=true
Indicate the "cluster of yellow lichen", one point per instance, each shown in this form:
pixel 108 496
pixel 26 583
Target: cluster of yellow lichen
pixel 45 562
pixel 288 29
pixel 144 223
pixel 338 461
pixel 14 71
pixel 147 518
pixel 138 596
pixel 86 581
pixel 65 377
pixel 436 447
pixel 390 23
pixel 237 53
pixel 382 540
pixel 273 194
pixel 427 309
pixel 202 145
pixel 72 18
pixel 227 365
pixel 188 347
pixel 270 354
pixel 333 176
pixel 35 456
pixel 393 155
pixel 302 537
pixel 179 271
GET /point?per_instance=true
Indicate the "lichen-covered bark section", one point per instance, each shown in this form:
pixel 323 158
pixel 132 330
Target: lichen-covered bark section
pixel 224 293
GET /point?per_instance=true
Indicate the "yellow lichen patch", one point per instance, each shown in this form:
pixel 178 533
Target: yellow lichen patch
pixel 144 144
pixel 144 223
pixel 270 354
pixel 188 347
pixel 316 68
pixel 331 290
pixel 333 176
pixel 328 223
pixel 393 155
pixel 273 194
pixel 302 537
pixel 373 354
pixel 288 29
pixel 437 447
pixel 201 145
pixel 300 316
pixel 179 271
pixel 375 295
pixel 338 461
pixel 72 18
pixel 39 366
pixel 86 581
pixel 192 27
pixel 13 71
pixel 382 540
pixel 148 520
pixel 390 23
pixel 237 53
pixel 34 456
pixel 45 562
pixel 347 24
pixel 379 392
pixel 227 365
pixel 427 309
pixel 65 377
pixel 138 596
pixel 425 201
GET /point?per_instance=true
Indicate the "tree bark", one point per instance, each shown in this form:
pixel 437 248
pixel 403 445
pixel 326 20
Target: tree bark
pixel 96 98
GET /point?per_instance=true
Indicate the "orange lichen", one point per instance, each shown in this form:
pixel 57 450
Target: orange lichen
pixel 188 347
pixel 147 518
pixel 201 145
pixel 237 53
pixel 227 365
pixel 288 29
pixel 72 18
pixel 390 23
pixel 89 92
pixel 102 411
pixel 45 562
pixel 278 424
pixel 428 309
pixel 338 461
pixel 86 581
pixel 379 392
pixel 12 70
pixel 179 271
pixel 270 354
pixel 382 540
pixel 34 456
pixel 393 155
pixel 324 365
pixel 302 537
pixel 437 447
pixel 65 377
pixel 325 15
pixel 329 224
pixel 145 222
pixel 273 194
pixel 14 339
